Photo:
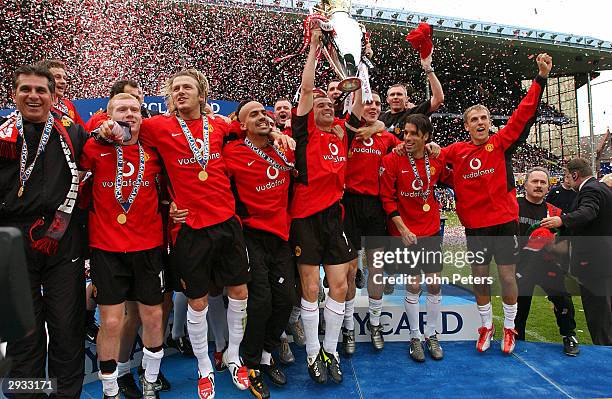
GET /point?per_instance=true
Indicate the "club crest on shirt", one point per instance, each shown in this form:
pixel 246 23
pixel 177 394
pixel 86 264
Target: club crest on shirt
pixel 66 121
pixel 432 170
pixel 489 147
pixel 147 156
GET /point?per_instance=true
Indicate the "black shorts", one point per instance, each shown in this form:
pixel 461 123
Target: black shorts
pixel 499 242
pixel 211 255
pixel 320 239
pixel 127 276
pixel 430 259
pixel 363 217
pixel 172 281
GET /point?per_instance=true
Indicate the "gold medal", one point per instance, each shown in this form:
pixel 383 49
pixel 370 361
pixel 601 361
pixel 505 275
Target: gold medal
pixel 20 192
pixel 122 218
pixel 203 175
pixel 426 207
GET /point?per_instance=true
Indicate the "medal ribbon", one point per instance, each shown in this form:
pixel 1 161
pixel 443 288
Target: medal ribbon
pixel 267 158
pixel 25 172
pixel 119 178
pixel 425 193
pixel 200 156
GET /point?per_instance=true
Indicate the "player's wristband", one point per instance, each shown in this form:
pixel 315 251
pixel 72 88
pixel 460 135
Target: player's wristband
pixel 428 70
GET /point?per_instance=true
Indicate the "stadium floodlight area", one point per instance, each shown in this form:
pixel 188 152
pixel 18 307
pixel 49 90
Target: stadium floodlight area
pixel 444 23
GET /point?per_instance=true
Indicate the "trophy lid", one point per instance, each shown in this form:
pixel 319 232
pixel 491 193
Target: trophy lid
pixel 332 6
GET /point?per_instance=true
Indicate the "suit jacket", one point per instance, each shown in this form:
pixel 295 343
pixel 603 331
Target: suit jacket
pixel 590 227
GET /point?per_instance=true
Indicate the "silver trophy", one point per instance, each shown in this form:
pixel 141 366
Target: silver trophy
pixel 342 42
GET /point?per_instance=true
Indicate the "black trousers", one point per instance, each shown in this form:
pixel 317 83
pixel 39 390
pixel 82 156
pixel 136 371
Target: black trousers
pixel 552 280
pixel 58 293
pixel 271 294
pixel 597 303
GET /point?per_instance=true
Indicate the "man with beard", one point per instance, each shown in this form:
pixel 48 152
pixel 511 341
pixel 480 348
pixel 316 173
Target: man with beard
pixel 407 192
pixel 260 174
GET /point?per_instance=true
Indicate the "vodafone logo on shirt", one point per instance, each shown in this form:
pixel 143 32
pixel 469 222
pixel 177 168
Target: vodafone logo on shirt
pixel 192 160
pixel 476 165
pixel 333 154
pixel 367 150
pixel 272 174
pixel 129 171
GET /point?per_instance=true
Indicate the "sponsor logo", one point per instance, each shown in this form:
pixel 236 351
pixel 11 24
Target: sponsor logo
pixel 192 160
pixel 416 186
pixel 176 134
pixel 369 142
pixel 413 194
pixel 272 172
pixel 271 184
pixel 489 147
pixel 250 163
pixel 367 151
pixel 475 164
pixel 105 154
pixel 131 170
pixel 334 150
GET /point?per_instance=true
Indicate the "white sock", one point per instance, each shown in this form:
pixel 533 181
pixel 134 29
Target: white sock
pixel 123 368
pixel 179 315
pixel 375 308
pixel 284 335
pixel 153 360
pixel 310 319
pixel 295 314
pixel 411 304
pixel 486 315
pixel 334 315
pixel 349 309
pixel 198 334
pixel 509 315
pixel 266 358
pixel 217 317
pixel 109 383
pixel 236 322
pixel 434 314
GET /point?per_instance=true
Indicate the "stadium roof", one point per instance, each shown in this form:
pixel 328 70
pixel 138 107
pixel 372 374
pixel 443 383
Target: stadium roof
pixel 572 54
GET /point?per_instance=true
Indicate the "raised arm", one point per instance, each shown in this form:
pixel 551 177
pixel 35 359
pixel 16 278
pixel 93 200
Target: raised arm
pixel 308 75
pixel 437 94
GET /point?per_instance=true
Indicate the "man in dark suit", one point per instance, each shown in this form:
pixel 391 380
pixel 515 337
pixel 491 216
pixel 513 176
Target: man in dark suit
pixel 590 226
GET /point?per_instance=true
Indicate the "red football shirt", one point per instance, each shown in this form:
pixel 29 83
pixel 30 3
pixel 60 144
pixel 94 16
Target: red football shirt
pixel 143 228
pixel 320 158
pixel 399 192
pixel 262 190
pixel 483 175
pixel 67 108
pixel 209 202
pixel 364 162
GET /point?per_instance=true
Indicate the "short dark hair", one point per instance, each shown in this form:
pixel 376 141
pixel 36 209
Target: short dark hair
pixel 119 86
pixel 35 70
pixel 332 81
pixel 282 99
pixel 240 105
pixel 422 123
pixel 52 63
pixel 581 166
